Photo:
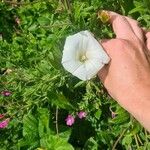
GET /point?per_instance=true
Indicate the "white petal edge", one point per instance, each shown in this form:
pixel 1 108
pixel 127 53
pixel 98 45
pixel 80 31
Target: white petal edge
pixel 97 57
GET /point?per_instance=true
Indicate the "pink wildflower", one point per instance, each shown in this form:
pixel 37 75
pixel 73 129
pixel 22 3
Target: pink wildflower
pixel 113 114
pixel 4 123
pixel 2 116
pixel 82 114
pixel 6 93
pixel 70 120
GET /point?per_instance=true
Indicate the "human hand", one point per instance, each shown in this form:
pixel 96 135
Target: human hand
pixel 127 76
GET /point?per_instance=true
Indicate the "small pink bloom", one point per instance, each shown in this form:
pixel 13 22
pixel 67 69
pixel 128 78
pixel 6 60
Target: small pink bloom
pixel 4 123
pixel 113 114
pixel 70 120
pixel 6 93
pixel 82 114
pixel 2 116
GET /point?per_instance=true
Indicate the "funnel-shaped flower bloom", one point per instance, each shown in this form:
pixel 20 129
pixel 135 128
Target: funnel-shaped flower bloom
pixel 83 56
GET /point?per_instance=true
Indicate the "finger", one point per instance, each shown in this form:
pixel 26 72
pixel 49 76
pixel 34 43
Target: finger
pixel 106 44
pixel 102 74
pixel 148 40
pixel 147 35
pixel 136 28
pixel 121 27
pixel 110 47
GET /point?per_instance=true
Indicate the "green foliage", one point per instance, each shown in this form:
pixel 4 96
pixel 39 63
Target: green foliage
pixel 55 143
pixel 38 132
pixel 32 35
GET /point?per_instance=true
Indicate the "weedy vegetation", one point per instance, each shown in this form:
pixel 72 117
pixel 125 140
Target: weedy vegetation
pixel 37 94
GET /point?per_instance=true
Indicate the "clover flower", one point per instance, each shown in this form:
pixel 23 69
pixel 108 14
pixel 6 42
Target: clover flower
pixel 6 93
pixel 4 123
pixel 82 114
pixel 83 56
pixel 70 120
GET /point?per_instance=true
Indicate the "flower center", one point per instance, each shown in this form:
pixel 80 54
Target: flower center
pixel 83 58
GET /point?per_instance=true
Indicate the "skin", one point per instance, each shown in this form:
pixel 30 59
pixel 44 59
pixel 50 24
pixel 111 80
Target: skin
pixel 127 76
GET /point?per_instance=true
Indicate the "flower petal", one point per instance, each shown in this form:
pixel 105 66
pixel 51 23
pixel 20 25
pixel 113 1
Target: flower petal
pixel 88 70
pixel 71 65
pixel 83 45
pixel 74 46
pixel 81 72
pixel 71 48
pixel 98 54
pixel 92 67
pixel 95 50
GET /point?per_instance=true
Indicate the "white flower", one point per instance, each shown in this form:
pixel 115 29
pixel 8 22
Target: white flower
pixel 83 56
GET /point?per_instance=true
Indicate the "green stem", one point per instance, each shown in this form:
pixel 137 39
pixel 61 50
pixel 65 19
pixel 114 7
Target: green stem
pixel 139 139
pixel 119 138
pixel 67 5
pixel 136 141
pixel 146 137
pixel 20 3
pixel 56 121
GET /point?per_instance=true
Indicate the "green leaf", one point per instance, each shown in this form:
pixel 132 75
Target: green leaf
pixel 56 60
pixel 136 128
pixel 121 117
pixel 30 143
pixel 51 142
pixel 104 136
pixel 43 126
pixel 79 84
pixel 137 9
pixel 127 140
pixel 65 135
pixel 30 132
pixel 59 100
pixel 43 21
pixel 147 4
pixel 30 126
pixel 91 144
pixel 32 27
pixel 98 114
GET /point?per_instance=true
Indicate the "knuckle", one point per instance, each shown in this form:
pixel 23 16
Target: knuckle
pixel 121 42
